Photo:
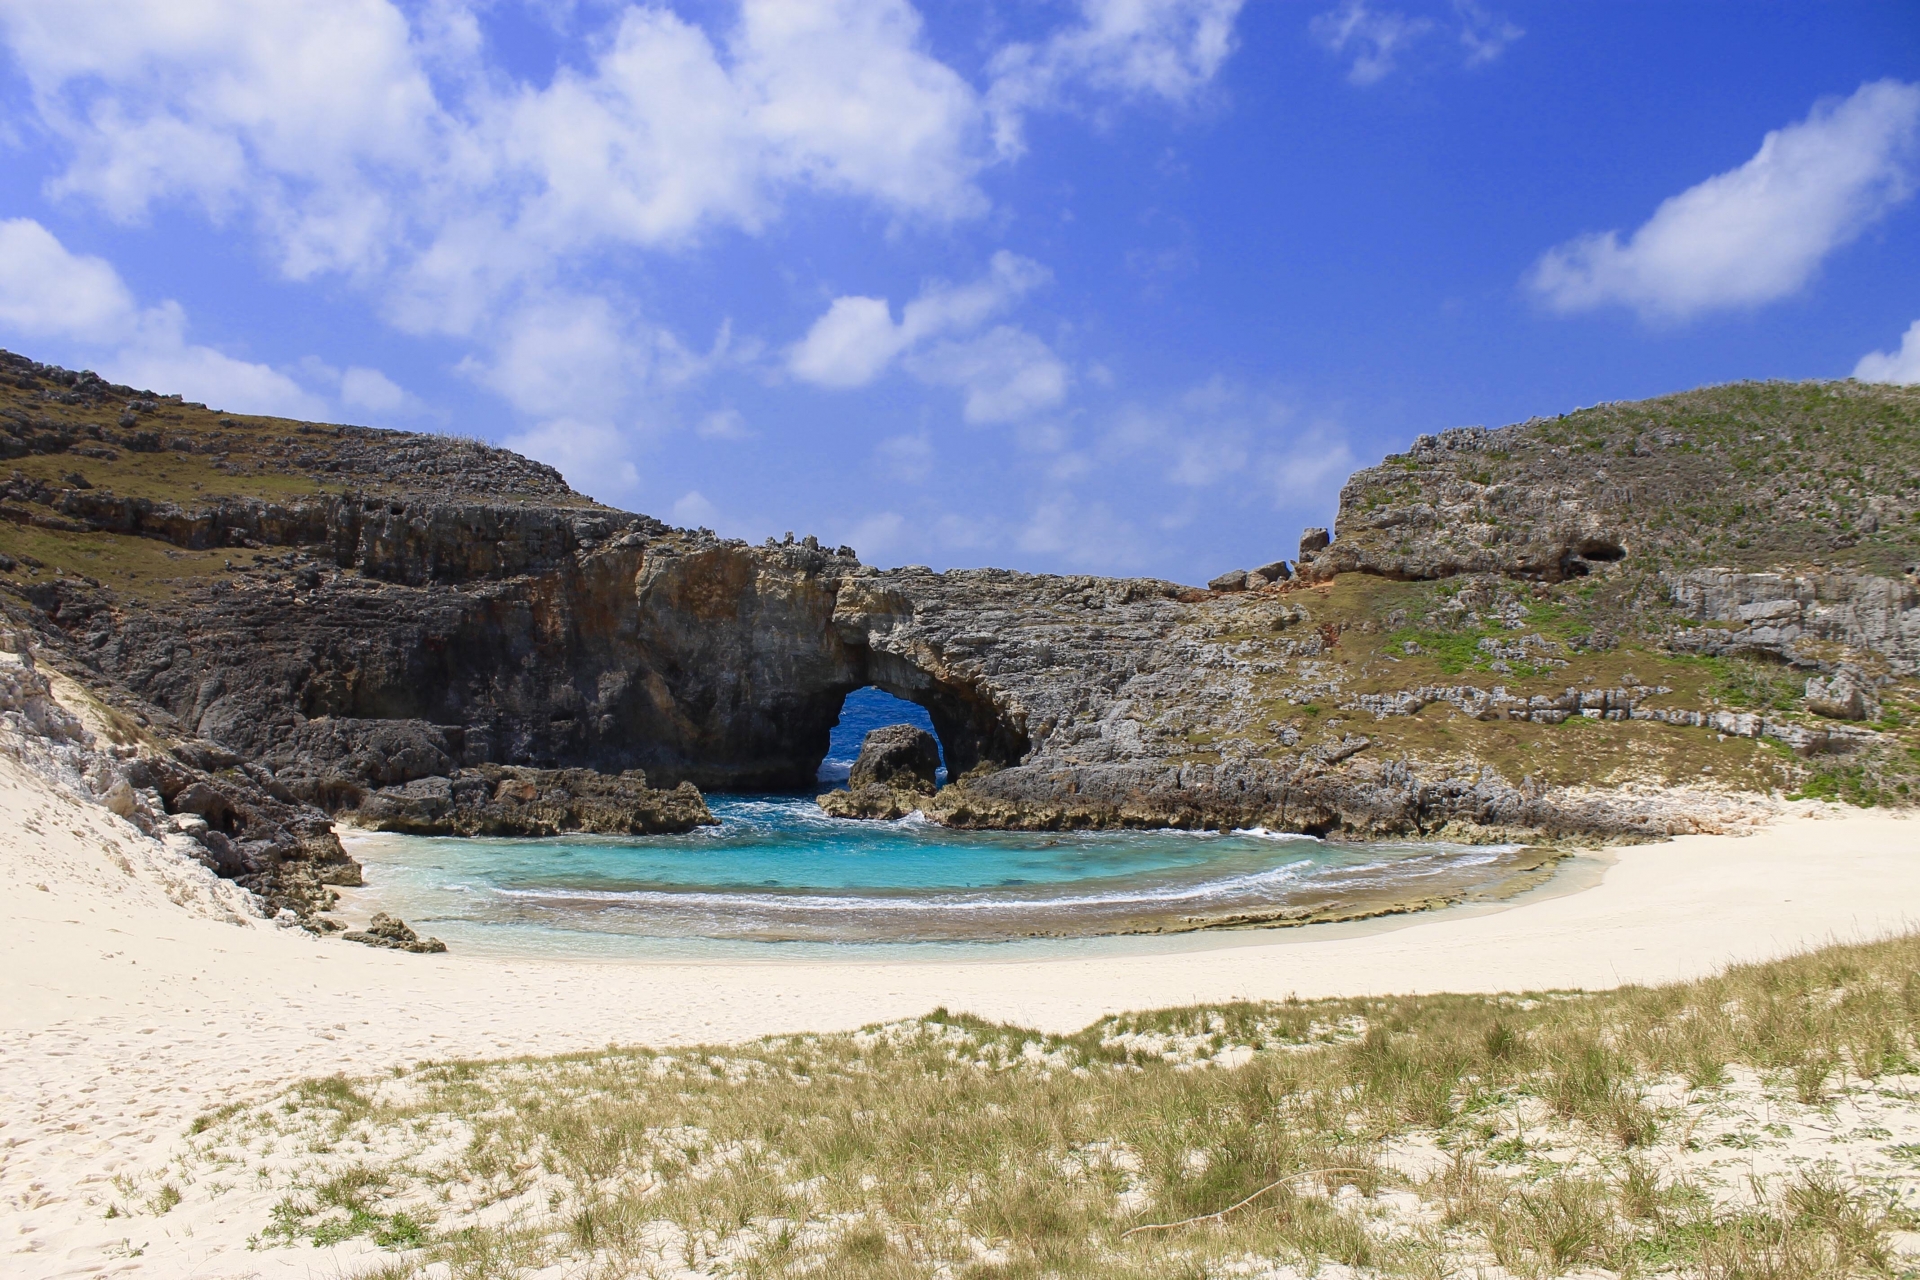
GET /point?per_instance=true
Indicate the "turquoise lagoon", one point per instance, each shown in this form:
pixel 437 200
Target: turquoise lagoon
pixel 778 876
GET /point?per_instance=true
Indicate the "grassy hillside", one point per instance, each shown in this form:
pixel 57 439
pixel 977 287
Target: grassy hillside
pixel 60 430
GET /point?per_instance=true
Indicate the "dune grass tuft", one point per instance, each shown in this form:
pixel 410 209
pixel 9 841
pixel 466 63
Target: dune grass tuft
pixel 1761 1123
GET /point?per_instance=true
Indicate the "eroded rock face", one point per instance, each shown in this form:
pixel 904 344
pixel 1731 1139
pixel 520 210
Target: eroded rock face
pixel 894 775
pixel 902 756
pixel 496 801
pixel 1787 617
pixel 390 653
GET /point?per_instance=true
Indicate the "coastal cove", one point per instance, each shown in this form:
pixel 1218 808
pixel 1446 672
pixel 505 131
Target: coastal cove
pixel 778 874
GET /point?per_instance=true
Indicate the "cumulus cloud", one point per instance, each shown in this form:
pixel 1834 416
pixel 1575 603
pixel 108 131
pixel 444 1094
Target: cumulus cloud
pixel 370 389
pixel 1902 365
pixel 1373 38
pixel 1169 49
pixel 294 111
pixel 364 142
pixel 388 145
pixel 1005 373
pixel 1756 233
pixel 850 345
pixel 594 456
pixel 48 292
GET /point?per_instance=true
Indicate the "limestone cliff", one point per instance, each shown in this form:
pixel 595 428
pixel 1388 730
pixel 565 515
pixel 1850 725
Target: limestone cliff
pixel 1601 624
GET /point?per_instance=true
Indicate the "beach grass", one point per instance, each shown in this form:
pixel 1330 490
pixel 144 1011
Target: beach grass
pixel 1762 1123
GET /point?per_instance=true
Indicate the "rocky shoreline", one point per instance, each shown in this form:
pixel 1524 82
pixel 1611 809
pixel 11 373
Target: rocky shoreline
pixel 307 623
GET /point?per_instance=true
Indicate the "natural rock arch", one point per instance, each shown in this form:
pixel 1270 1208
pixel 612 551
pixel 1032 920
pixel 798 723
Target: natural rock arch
pixel 713 663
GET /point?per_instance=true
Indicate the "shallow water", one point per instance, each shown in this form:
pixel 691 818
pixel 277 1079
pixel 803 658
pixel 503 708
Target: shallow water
pixel 778 875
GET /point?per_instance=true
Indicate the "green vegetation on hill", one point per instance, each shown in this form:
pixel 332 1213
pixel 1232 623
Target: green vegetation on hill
pixel 60 431
pixel 1754 474
pixel 1749 475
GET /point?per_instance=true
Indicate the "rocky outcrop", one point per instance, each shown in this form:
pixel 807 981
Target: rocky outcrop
pixel 496 801
pixel 403 650
pixel 1697 478
pixel 903 756
pixel 1791 617
pixel 203 805
pixel 1351 798
pixel 394 934
pixel 895 774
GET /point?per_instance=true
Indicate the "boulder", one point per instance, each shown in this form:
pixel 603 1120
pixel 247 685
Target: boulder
pixel 215 806
pixel 1313 541
pixel 898 756
pixel 501 800
pixel 874 803
pixel 392 932
pixel 1840 696
pixel 1275 572
pixel 1231 580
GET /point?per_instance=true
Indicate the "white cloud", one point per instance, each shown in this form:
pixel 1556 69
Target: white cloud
pixel 594 456
pixel 1169 49
pixel 850 345
pixel 578 357
pixel 856 339
pixel 1484 34
pixel 390 145
pixel 1006 373
pixel 1756 233
pixel 294 110
pixel 724 424
pixel 370 389
pixel 845 96
pixel 47 292
pixel 693 510
pixel 1373 37
pixel 1902 365
pixel 163 360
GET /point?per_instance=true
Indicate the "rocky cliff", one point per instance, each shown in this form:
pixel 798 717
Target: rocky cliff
pixel 1630 620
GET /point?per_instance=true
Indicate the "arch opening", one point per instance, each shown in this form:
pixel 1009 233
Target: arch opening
pixel 861 712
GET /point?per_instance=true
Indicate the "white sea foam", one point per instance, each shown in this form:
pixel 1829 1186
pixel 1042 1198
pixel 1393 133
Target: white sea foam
pixel 1251 885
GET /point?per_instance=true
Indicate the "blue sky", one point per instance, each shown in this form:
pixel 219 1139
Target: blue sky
pixel 1119 286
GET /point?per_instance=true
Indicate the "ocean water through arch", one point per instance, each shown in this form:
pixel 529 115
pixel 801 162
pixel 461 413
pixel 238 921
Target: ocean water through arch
pixel 778 875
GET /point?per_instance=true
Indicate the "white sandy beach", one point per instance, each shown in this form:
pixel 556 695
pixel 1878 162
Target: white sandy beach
pixel 125 1015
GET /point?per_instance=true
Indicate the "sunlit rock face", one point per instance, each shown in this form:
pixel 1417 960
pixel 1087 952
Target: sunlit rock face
pixel 433 608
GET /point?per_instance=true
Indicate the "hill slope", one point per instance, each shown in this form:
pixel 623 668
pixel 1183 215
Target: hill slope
pixel 1630 620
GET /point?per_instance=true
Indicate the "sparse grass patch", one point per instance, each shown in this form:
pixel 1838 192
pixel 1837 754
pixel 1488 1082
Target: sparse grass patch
pixel 951 1145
